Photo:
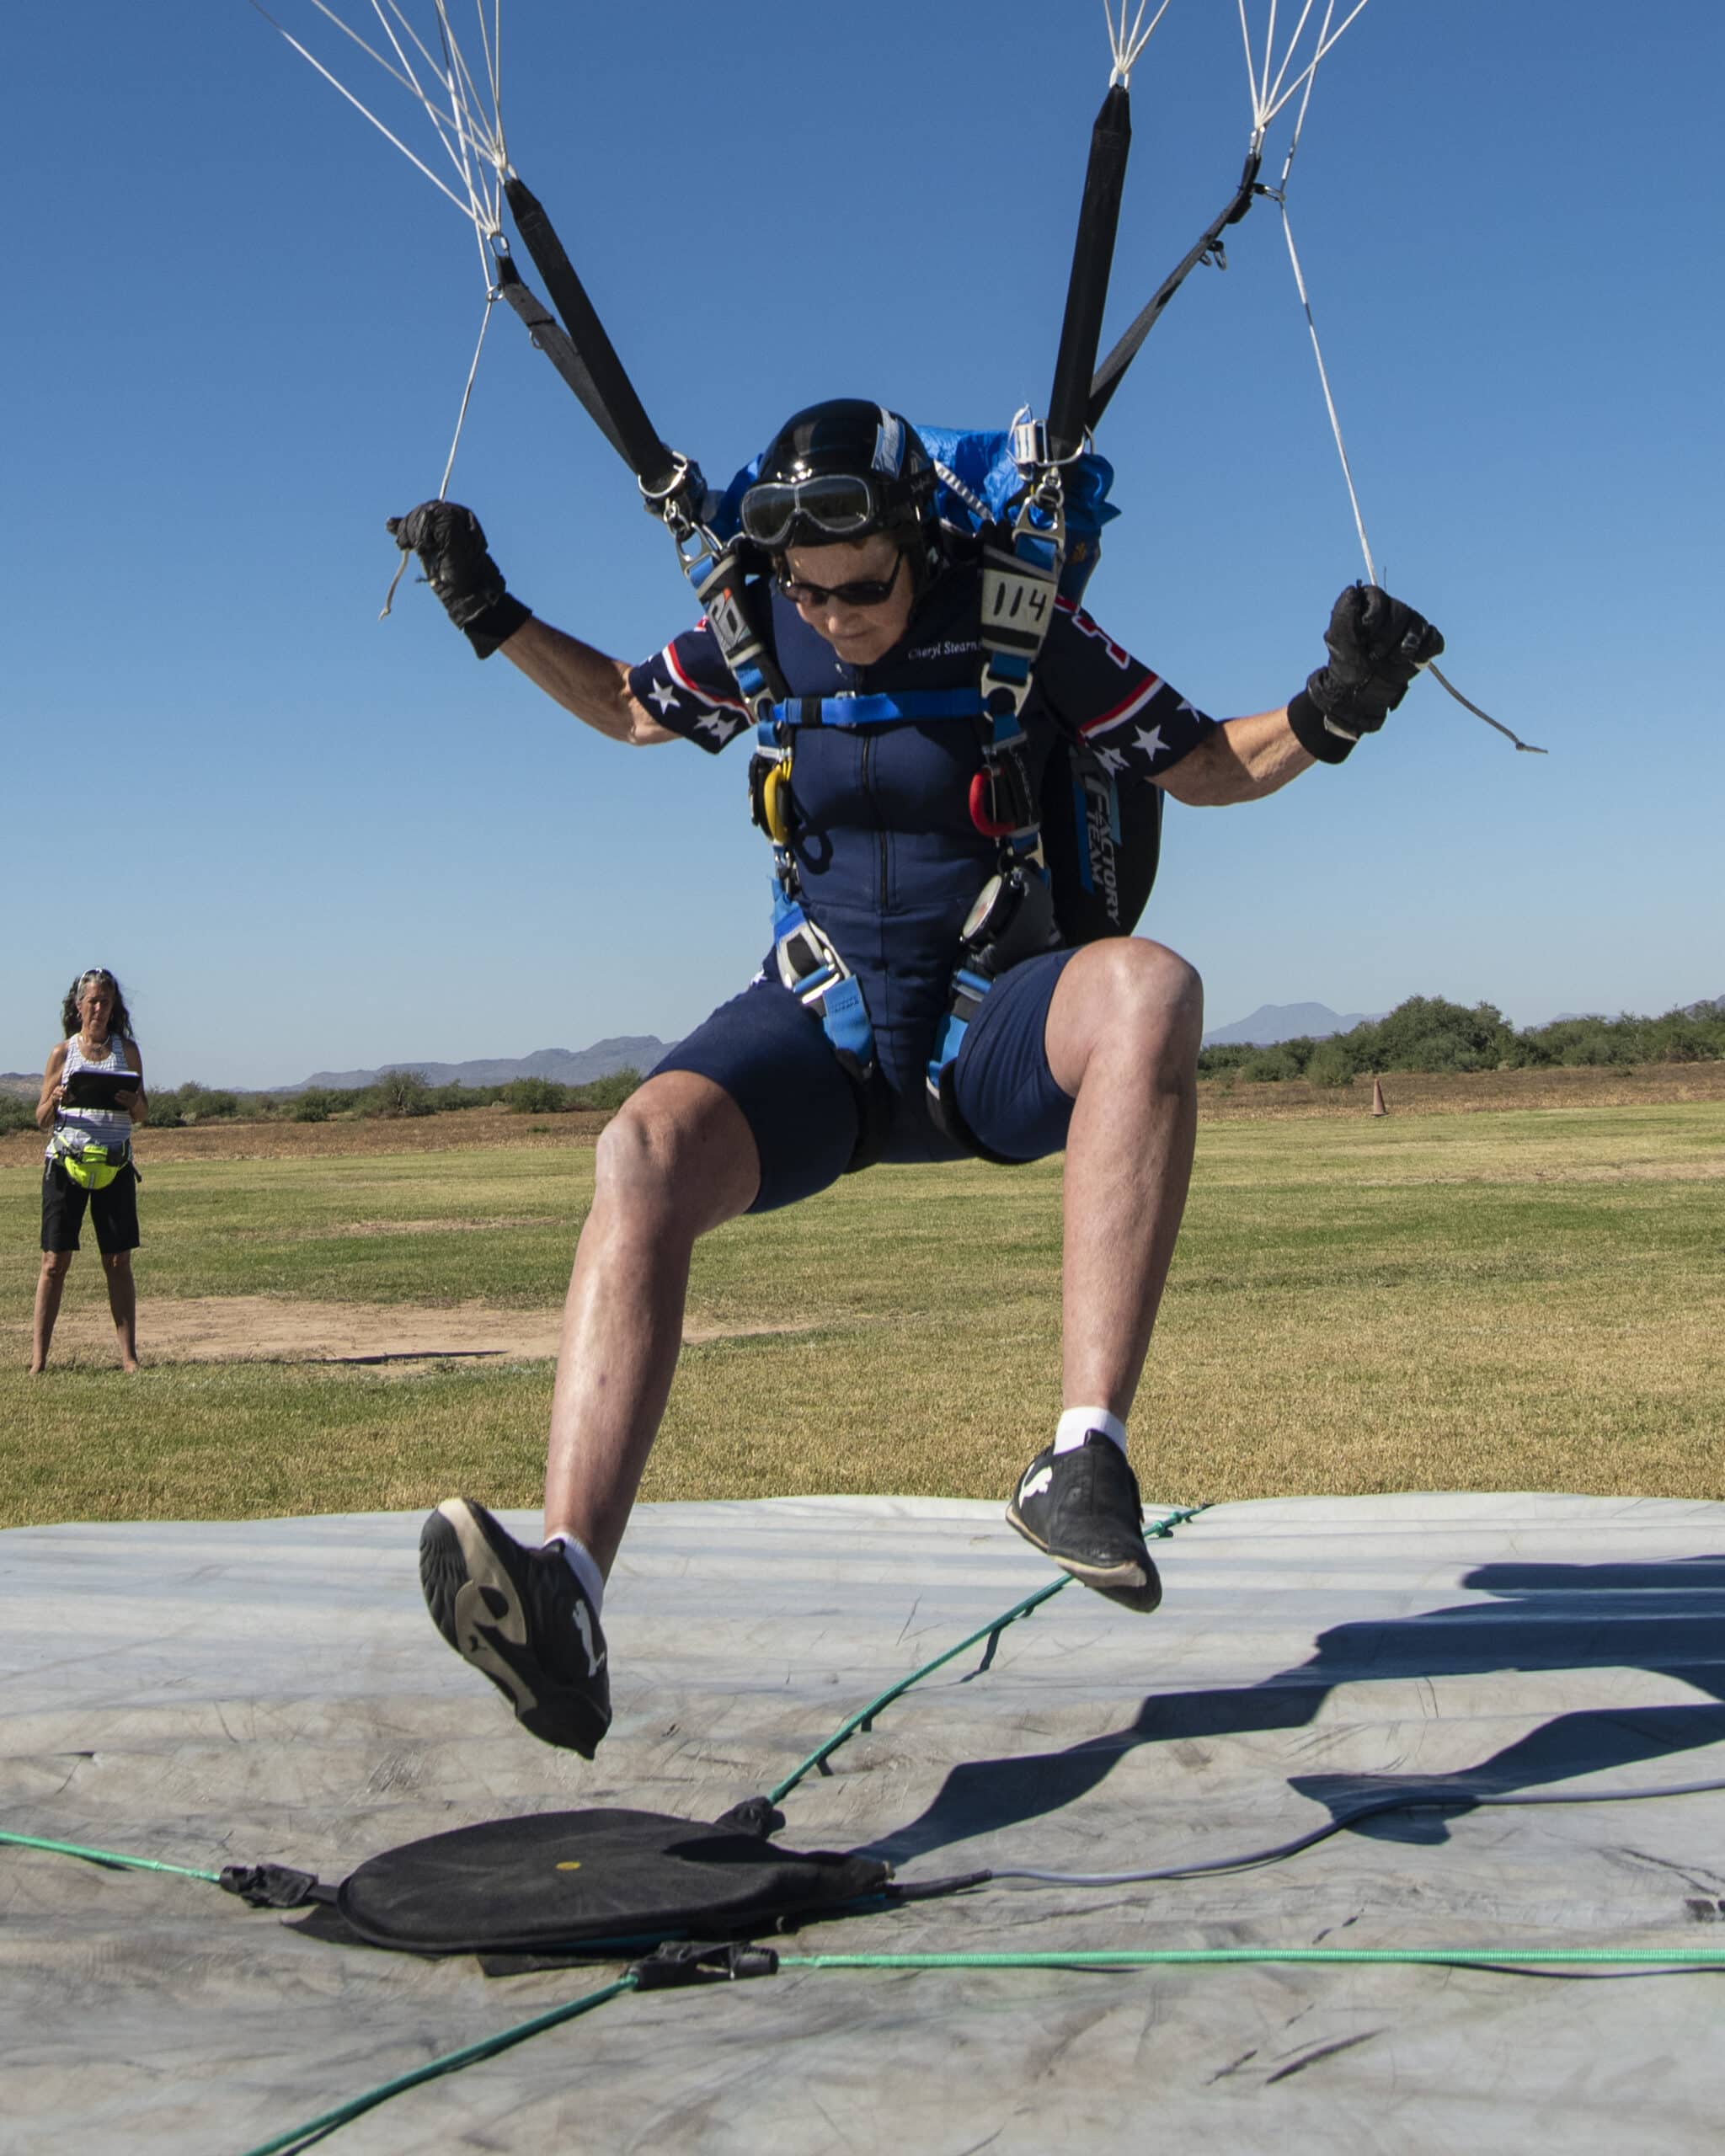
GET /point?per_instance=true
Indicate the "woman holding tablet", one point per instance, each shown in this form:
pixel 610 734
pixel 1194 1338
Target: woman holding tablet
pixel 92 1095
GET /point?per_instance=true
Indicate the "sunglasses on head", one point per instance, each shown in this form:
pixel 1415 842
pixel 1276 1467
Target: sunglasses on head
pixel 861 591
pixel 842 504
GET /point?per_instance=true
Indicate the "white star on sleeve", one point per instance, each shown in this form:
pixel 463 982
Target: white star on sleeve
pixel 1150 740
pixel 717 724
pixel 1112 761
pixel 662 694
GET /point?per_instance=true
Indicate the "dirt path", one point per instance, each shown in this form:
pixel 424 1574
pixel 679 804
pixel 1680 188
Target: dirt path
pixel 277 1329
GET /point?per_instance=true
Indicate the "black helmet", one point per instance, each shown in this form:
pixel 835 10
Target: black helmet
pixel 840 471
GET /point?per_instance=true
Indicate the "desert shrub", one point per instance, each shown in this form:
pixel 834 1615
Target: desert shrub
pixel 17 1112
pixel 191 1103
pixel 607 1092
pixel 317 1103
pixel 397 1093
pixel 445 1099
pixel 1272 1065
pixel 1330 1065
pixel 535 1096
pixel 1426 1032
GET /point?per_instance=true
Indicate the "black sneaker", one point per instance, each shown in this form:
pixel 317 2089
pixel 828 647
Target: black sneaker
pixel 520 1616
pixel 1083 1508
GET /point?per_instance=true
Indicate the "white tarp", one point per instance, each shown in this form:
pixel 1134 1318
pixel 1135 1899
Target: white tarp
pixel 214 1694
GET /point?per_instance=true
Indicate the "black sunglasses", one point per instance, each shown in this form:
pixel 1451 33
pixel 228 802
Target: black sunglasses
pixel 861 591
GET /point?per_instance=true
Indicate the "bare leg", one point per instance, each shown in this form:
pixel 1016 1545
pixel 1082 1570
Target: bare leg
pixel 1122 1037
pixel 51 1285
pixel 678 1159
pixel 123 1305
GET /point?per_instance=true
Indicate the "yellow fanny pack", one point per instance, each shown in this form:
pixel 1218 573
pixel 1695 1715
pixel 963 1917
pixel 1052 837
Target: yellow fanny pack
pixel 93 1166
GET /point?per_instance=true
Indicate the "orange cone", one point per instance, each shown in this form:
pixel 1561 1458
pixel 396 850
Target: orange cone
pixel 1377 1098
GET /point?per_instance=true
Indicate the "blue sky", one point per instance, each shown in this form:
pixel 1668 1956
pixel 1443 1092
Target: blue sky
pixel 238 328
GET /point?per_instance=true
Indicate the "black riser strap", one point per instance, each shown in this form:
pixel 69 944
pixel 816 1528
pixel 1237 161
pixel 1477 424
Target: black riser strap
pixel 548 332
pixel 1087 288
pixel 1107 379
pixel 635 435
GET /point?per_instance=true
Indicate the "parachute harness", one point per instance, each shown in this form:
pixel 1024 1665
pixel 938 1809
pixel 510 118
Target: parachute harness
pixel 808 963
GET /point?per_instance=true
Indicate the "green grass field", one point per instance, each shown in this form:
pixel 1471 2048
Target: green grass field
pixel 1530 1299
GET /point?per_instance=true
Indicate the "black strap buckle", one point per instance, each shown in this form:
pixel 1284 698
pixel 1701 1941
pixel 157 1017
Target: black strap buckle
pixel 680 1962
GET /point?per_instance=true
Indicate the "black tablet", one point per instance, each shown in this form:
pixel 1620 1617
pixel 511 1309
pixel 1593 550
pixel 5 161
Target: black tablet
pixel 96 1089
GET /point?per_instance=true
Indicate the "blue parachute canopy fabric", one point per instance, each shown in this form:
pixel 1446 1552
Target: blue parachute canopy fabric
pixel 979 461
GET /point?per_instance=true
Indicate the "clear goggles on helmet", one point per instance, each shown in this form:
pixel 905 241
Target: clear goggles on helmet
pixel 839 504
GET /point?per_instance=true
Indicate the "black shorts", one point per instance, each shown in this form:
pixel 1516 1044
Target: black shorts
pixel 113 1212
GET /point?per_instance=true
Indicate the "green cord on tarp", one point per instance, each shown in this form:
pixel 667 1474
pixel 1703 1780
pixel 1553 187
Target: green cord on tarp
pixel 990 1631
pixel 1508 1961
pixel 451 2062
pixel 109 1857
pixel 1506 1958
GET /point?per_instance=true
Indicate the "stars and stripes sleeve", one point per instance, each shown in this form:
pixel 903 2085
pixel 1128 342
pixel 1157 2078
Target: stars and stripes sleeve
pixel 688 689
pixel 1138 725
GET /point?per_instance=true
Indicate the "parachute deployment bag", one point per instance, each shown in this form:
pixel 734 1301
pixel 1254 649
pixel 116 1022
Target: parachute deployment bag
pixel 572 1880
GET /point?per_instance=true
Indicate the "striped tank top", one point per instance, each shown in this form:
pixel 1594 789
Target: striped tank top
pixel 109 1127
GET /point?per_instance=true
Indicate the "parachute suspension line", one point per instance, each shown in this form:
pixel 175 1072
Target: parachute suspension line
pixel 486 219
pixel 1127 46
pixel 1271 87
pixel 466 137
pixel 475 140
pixel 1279 195
pixel 1444 683
pixel 465 208
pixel 491 299
pixel 1269 96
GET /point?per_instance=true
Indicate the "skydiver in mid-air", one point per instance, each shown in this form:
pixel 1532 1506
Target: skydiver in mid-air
pixel 903 931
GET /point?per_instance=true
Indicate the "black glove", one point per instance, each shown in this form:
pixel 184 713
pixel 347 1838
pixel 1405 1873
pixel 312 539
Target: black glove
pixel 1376 647
pixel 450 542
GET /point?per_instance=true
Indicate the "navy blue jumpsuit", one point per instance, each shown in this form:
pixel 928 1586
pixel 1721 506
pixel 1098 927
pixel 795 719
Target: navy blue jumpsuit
pixel 889 863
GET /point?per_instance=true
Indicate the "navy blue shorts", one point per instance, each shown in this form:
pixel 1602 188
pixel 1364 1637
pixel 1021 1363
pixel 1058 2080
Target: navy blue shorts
pixel 773 1058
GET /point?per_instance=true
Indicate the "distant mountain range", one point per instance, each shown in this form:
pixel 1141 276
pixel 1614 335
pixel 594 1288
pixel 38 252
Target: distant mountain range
pixel 563 1066
pixel 1287 1022
pixel 1269 1023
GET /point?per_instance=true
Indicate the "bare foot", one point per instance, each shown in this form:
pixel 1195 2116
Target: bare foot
pixel 37 1368
pixel 130 1366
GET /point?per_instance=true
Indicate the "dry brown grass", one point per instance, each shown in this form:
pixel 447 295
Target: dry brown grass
pixel 1220 1100
pixel 489 1127
pixel 1421 1093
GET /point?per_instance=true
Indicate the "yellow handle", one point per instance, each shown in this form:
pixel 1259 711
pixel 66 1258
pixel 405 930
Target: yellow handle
pixel 775 803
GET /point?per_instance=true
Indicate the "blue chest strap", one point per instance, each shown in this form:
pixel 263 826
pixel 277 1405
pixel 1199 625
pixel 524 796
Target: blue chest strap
pixel 891 708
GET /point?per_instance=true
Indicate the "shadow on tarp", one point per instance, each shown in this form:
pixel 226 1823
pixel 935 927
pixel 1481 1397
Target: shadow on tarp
pixel 1667 1619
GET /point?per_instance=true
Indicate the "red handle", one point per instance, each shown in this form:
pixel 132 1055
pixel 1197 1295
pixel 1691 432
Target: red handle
pixel 990 826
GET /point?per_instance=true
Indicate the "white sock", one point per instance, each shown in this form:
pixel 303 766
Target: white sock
pixel 579 1560
pixel 1075 1425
